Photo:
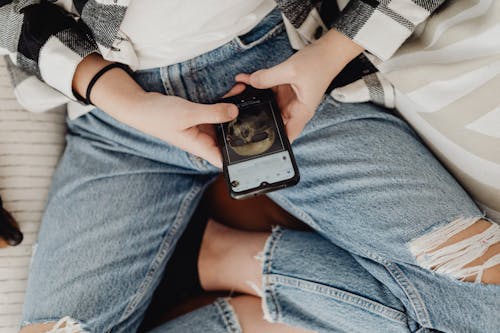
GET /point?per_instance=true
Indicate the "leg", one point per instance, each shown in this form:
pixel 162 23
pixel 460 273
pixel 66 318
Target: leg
pixel 249 312
pixel 309 282
pixel 224 264
pixel 304 280
pixel 371 187
pixel 111 223
pixel 241 314
pixel 253 214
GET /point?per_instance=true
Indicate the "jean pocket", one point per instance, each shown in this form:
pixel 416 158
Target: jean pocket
pixel 269 27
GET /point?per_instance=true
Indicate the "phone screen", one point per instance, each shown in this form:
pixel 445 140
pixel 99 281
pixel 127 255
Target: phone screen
pixel 255 148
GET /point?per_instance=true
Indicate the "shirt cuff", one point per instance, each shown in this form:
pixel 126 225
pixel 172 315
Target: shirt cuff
pixel 381 28
pixel 59 59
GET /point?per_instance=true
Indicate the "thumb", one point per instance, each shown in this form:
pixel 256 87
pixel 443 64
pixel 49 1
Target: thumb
pixel 297 121
pixel 268 78
pixel 212 114
pixel 202 144
pixel 294 127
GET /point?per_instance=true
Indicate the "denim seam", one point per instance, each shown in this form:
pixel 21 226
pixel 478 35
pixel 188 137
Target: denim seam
pixel 270 298
pixel 165 248
pixel 279 28
pixel 411 292
pixel 424 330
pixel 194 72
pixel 175 87
pixel 284 203
pixel 340 295
pixel 165 80
pixel 228 315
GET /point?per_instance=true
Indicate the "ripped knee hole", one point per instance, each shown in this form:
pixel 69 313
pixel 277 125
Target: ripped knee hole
pixel 464 258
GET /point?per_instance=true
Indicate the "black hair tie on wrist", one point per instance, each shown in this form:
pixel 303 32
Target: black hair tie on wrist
pixel 96 77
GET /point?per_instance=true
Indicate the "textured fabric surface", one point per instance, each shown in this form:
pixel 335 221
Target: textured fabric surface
pixel 447 79
pixel 191 33
pixel 120 199
pixel 51 52
pixel 30 145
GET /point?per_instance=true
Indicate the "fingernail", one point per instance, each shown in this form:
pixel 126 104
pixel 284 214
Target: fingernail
pixel 232 111
pixel 252 79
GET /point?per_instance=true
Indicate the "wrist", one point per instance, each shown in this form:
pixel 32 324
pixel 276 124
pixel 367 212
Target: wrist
pixel 338 50
pixel 113 91
pixel 116 92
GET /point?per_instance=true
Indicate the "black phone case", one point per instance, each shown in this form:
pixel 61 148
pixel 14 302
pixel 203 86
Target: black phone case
pixel 250 94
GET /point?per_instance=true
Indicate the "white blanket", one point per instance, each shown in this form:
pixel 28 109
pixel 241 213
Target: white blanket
pixel 30 146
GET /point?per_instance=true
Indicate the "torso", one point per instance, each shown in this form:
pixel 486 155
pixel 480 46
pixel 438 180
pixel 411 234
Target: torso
pixel 167 32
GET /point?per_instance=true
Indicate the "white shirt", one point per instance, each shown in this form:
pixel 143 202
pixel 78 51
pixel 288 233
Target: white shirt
pixel 165 32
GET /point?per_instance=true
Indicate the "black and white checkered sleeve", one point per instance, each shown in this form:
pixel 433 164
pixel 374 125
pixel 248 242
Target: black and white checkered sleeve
pixel 382 26
pixel 44 40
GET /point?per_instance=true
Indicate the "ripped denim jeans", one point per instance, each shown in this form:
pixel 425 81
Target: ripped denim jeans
pixel 378 201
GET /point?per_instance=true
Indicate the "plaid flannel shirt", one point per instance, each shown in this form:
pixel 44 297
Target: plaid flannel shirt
pixel 47 40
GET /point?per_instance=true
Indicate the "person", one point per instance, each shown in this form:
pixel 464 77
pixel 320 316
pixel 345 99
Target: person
pixel 397 245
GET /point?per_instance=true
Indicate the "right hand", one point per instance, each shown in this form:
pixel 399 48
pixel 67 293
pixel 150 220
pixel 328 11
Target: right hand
pixel 182 123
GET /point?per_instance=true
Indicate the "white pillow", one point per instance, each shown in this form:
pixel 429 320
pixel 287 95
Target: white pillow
pixel 447 82
pixel 30 146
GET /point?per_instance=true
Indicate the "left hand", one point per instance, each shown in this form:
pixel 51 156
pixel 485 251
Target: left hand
pixel 301 81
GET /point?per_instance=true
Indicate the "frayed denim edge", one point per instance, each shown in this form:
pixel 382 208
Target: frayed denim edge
pixel 25 323
pixel 270 305
pixel 228 315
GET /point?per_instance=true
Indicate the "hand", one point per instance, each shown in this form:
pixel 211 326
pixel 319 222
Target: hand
pixel 301 81
pixel 182 123
pixel 177 121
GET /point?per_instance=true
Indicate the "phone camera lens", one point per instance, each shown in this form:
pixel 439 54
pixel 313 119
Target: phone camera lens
pixel 235 183
pixel 264 184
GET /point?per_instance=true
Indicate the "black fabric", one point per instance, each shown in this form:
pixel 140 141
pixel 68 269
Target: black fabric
pixel 328 11
pixel 5 2
pixel 8 228
pixel 79 4
pixel 354 71
pixel 41 21
pixel 372 3
pixel 354 17
pixel 296 11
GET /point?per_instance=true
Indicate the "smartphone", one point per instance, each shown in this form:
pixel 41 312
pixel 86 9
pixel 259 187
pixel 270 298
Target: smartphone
pixel 257 156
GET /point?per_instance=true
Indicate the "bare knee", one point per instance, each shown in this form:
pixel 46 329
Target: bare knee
pixel 466 249
pixel 66 325
pixel 250 315
pixel 38 328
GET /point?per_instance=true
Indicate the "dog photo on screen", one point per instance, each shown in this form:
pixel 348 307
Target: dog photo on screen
pixel 253 133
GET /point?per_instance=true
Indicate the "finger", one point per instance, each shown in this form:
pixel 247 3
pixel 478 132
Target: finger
pixel 297 120
pixel 210 114
pixel 202 145
pixel 268 78
pixel 294 127
pixel 237 89
pixel 243 78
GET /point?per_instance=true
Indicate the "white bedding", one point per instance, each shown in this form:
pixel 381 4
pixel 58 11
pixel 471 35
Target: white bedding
pixel 30 146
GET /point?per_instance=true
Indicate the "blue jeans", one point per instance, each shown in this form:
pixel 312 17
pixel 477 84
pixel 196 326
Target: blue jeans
pixel 121 199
